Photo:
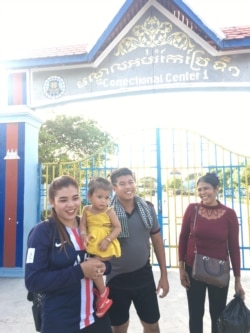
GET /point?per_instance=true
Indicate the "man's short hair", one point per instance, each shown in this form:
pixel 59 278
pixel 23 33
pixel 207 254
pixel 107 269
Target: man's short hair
pixel 120 172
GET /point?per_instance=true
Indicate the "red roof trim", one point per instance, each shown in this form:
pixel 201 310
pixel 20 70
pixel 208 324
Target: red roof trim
pixel 239 32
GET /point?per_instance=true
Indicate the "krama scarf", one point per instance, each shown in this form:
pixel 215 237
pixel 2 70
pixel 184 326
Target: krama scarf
pixel 144 212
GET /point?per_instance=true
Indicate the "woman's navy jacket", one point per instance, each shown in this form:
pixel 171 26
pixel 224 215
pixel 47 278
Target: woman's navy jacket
pixel 58 276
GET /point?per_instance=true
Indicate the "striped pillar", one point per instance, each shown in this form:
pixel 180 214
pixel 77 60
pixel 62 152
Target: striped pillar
pixel 19 129
pixel 17 87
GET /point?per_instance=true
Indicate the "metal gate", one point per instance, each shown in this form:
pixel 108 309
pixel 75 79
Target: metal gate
pixel 167 164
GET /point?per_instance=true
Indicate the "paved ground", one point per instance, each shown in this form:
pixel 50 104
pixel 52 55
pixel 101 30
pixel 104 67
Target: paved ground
pixel 16 316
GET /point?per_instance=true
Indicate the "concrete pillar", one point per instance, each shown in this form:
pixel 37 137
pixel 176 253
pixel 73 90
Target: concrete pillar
pixel 19 184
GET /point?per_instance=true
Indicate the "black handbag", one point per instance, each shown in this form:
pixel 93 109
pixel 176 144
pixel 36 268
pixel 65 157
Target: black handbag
pixel 210 270
pixel 36 298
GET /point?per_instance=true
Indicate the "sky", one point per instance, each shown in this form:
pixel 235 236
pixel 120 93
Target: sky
pixel 222 13
pixel 29 24
pixel 32 24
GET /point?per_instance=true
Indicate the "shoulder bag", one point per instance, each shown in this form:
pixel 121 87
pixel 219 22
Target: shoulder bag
pixel 209 270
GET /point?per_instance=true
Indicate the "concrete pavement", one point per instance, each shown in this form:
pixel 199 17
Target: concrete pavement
pixel 16 315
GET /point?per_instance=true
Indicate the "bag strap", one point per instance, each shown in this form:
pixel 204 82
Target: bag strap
pixel 195 220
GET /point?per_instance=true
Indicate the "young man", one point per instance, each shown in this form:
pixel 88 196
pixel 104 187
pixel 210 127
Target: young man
pixel 131 278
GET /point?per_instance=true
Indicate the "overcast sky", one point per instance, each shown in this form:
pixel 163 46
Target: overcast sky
pixel 222 13
pixel 29 24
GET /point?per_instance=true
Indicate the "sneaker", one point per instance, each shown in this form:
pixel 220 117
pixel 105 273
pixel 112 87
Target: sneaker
pixel 104 295
pixel 101 310
pixel 103 303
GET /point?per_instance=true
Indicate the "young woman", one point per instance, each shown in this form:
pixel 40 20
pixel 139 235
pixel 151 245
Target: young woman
pixel 217 236
pixel 58 267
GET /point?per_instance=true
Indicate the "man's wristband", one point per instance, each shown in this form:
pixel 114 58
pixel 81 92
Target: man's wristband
pixel 108 239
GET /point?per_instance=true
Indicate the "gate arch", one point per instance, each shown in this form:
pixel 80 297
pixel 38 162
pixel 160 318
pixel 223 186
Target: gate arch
pixel 167 163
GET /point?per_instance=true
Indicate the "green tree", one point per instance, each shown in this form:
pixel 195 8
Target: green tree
pixel 72 138
pixel 245 176
pixel 175 183
pixel 146 186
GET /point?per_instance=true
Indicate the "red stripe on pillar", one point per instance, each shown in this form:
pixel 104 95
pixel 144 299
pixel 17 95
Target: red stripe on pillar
pixel 18 89
pixel 9 255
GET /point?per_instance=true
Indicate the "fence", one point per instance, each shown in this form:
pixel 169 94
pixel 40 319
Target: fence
pixel 167 164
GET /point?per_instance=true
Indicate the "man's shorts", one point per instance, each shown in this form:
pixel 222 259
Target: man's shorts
pixel 145 302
